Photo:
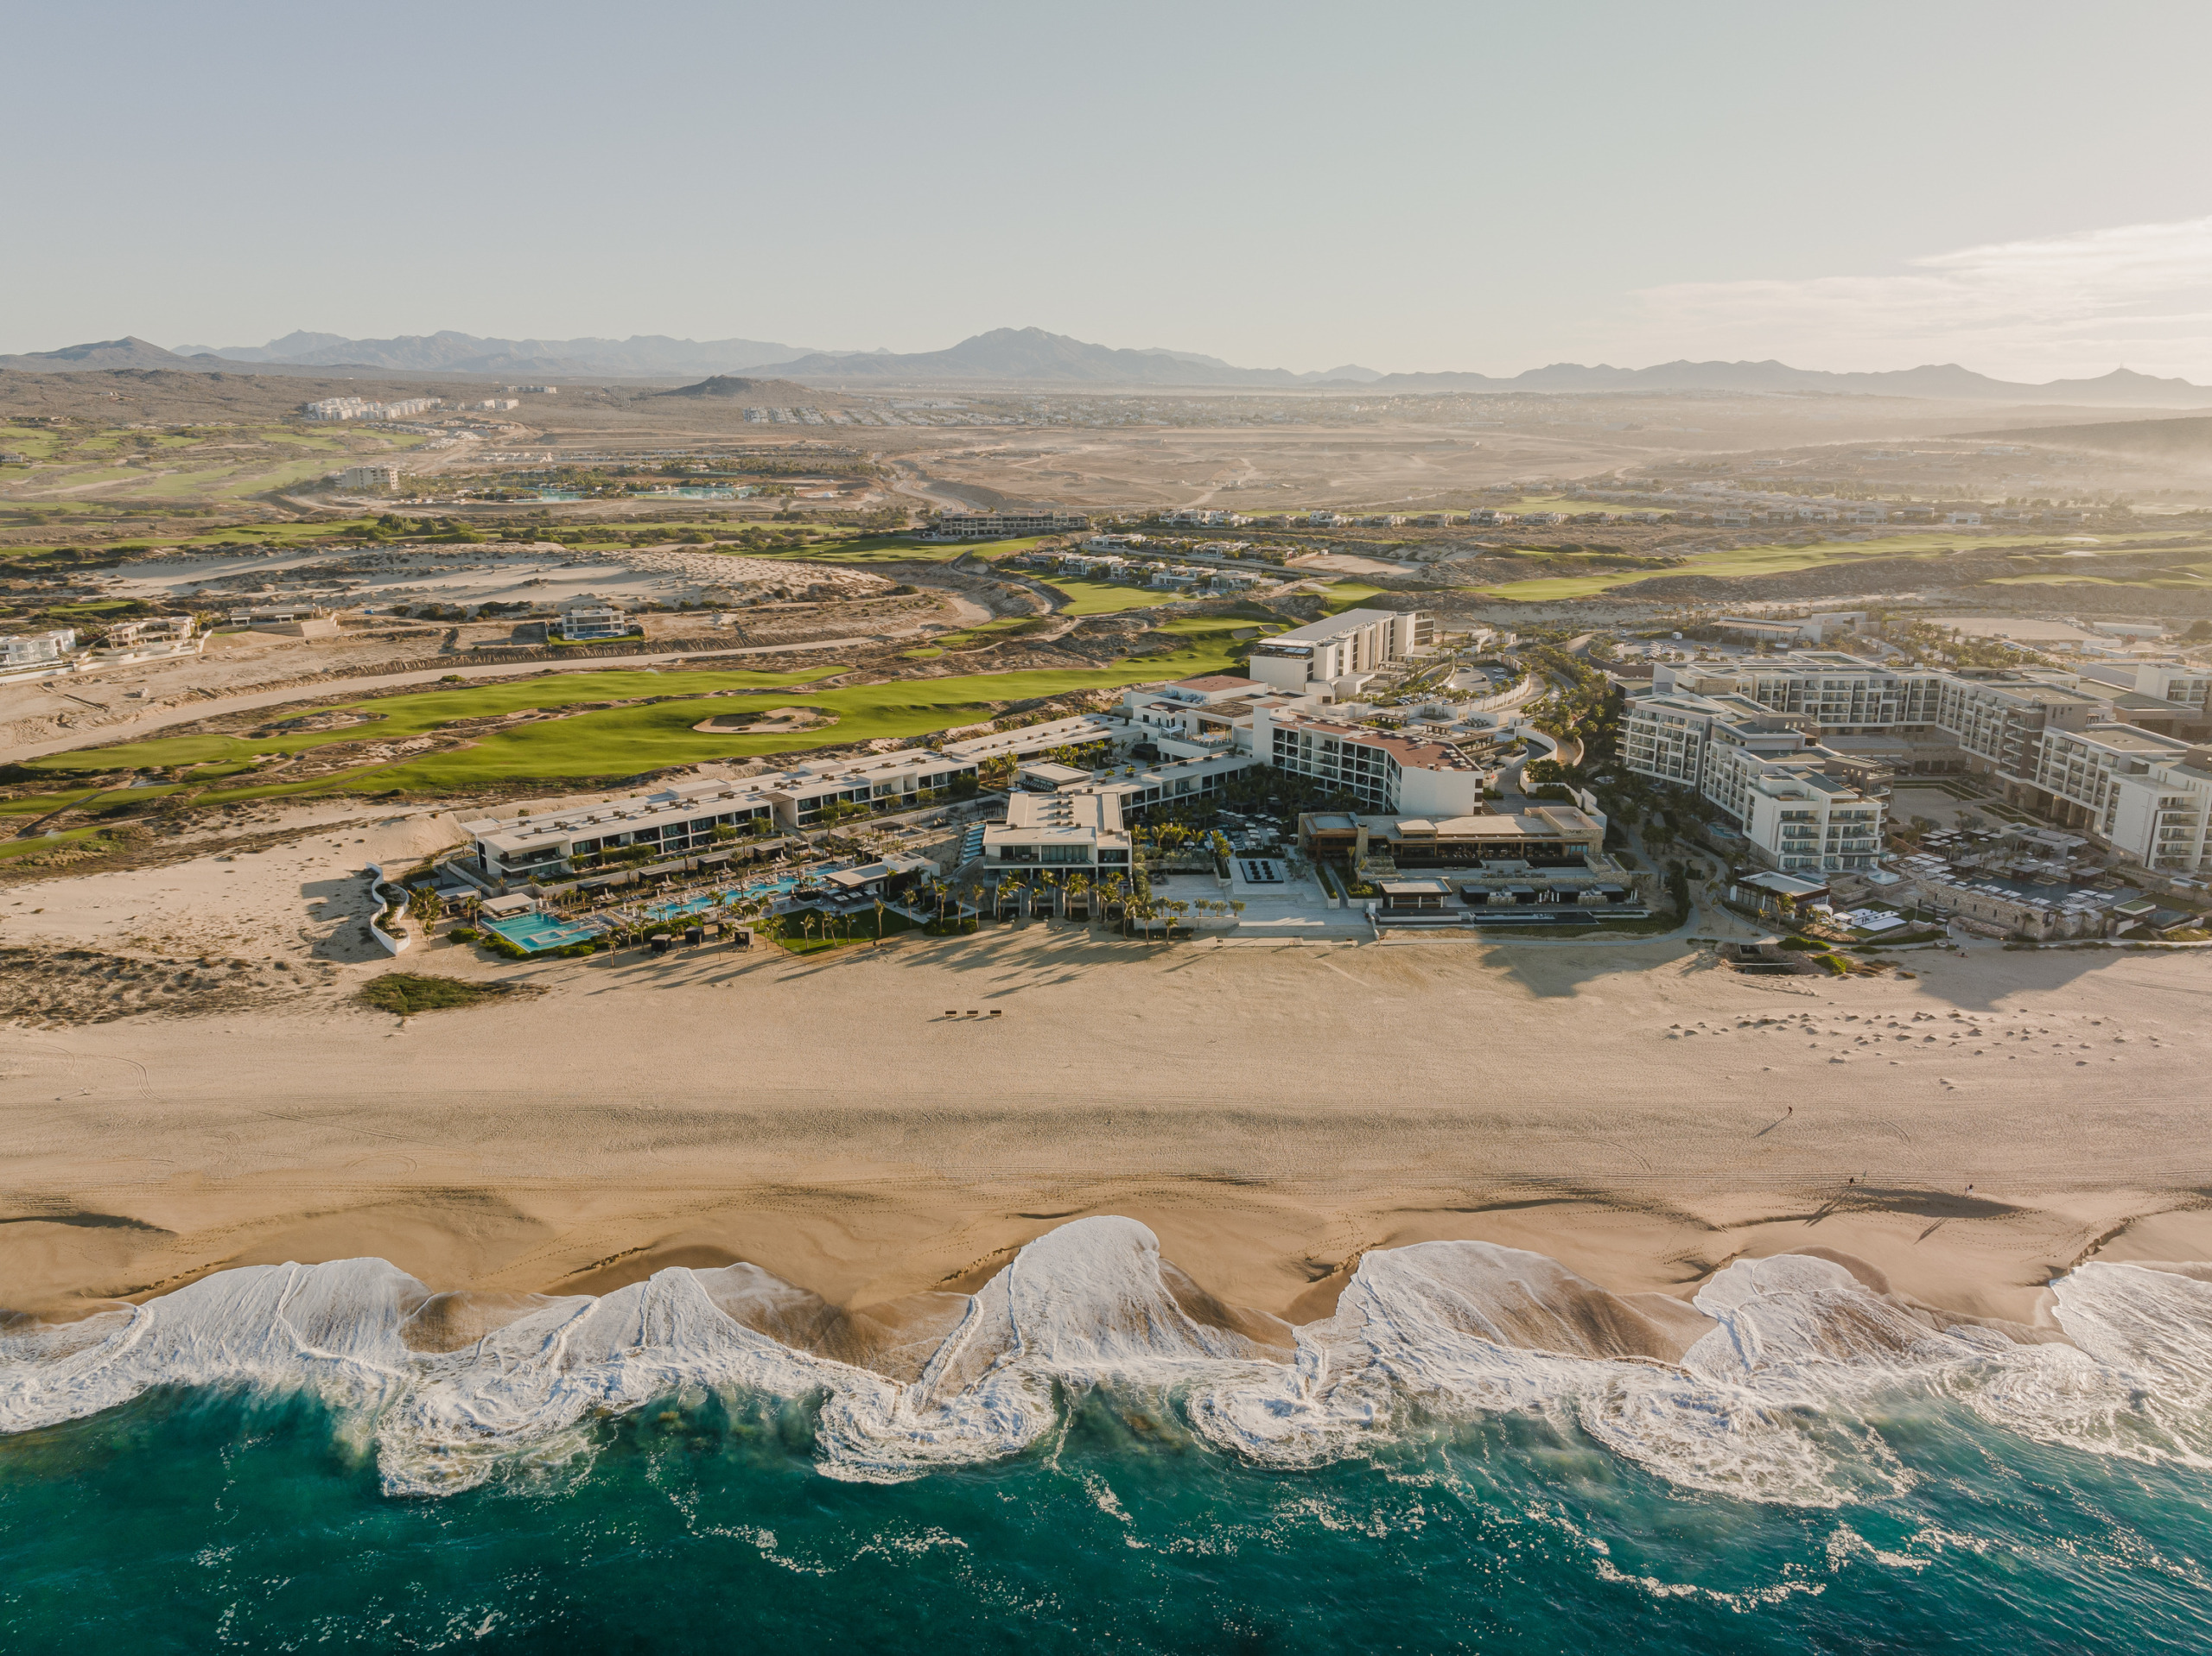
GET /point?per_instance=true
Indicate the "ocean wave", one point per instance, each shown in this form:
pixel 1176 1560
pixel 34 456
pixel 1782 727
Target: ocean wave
pixel 1768 1386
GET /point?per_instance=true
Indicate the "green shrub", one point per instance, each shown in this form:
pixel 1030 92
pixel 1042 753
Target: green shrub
pixel 465 934
pixel 406 993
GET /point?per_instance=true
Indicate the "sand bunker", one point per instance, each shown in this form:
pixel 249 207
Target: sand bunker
pixel 774 721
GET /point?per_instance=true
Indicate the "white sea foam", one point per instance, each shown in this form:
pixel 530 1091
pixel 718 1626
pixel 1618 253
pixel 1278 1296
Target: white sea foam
pixel 1770 1403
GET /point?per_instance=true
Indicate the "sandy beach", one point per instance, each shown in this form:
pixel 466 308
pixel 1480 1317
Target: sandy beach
pixel 1638 1112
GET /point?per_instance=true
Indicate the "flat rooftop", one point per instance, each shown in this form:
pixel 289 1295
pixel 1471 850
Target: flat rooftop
pixel 1334 627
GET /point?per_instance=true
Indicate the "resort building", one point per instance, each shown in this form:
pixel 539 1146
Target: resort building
pixel 1384 772
pixel 988 525
pixel 904 780
pixel 674 822
pixel 682 821
pixel 2164 816
pixel 1137 789
pixel 1076 831
pixel 154 637
pixel 1530 866
pixel 1337 655
pixel 1757 764
pixel 373 476
pixel 35 650
pixel 601 621
pixel 1027 741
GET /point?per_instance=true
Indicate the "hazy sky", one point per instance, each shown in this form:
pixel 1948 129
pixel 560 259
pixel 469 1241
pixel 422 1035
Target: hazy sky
pixel 2023 187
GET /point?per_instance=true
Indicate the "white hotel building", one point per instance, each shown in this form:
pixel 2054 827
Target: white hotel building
pixel 1335 656
pixel 680 821
pixel 2064 743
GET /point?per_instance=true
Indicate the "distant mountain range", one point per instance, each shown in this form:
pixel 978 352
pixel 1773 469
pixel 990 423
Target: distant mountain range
pixel 643 354
pixel 2122 386
pixel 103 354
pixel 1032 356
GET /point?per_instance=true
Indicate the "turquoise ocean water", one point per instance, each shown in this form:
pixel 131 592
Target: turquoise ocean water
pixel 1965 1499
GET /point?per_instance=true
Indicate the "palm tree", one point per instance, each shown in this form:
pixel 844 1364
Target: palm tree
pixel 879 919
pixel 807 925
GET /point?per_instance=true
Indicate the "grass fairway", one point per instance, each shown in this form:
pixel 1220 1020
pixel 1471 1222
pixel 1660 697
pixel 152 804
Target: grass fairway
pixel 1768 560
pixel 2182 578
pixel 279 534
pixel 398 717
pixel 623 741
pixel 1101 598
pixel 1349 595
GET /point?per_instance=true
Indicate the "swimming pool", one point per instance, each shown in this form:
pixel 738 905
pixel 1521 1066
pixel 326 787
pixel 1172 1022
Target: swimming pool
pixel 539 931
pixel 776 887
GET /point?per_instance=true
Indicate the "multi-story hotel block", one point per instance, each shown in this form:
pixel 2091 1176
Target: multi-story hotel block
pixel 2094 751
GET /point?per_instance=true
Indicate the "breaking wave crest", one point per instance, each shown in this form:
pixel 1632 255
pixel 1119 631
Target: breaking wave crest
pixel 1769 1385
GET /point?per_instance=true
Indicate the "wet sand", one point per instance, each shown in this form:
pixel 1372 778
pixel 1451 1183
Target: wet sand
pixel 1638 1113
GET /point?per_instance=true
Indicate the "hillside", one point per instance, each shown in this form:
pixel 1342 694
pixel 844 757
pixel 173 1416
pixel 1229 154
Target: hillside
pixel 2181 440
pixel 778 392
pixel 447 352
pixel 130 351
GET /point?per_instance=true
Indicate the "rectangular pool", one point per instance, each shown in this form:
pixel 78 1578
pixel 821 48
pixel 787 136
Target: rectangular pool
pixel 538 931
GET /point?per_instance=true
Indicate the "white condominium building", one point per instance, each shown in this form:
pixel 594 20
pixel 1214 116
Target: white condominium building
pixel 1845 695
pixel 1387 774
pixel 2164 819
pixel 1343 647
pixel 37 648
pixel 2054 740
pixel 680 821
pixel 986 525
pixel 1755 764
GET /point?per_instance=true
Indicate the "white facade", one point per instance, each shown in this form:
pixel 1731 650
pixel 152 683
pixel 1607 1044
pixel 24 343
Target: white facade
pixel 1755 763
pixel 1385 773
pixel 2163 818
pixel 37 648
pixel 680 821
pixel 986 525
pixel 1357 641
pixel 580 625
pixel 373 476
pixel 1077 831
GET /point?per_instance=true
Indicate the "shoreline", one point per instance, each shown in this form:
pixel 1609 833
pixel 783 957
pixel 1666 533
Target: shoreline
pixel 1637 1112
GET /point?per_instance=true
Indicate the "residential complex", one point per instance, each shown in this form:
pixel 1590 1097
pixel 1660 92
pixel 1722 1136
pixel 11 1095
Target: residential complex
pixel 2098 753
pixel 682 820
pixel 37 650
pixel 374 476
pixel 357 407
pixel 990 525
